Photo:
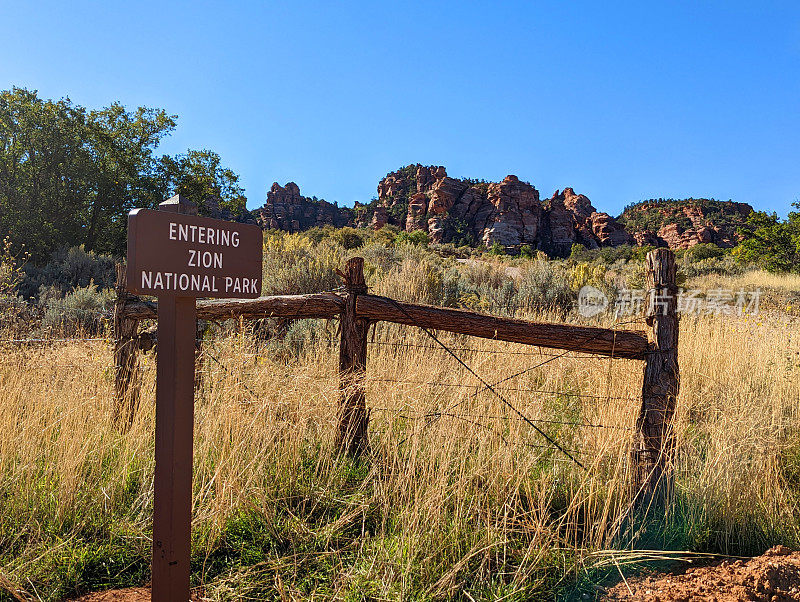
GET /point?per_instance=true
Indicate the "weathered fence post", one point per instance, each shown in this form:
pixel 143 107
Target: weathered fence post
pixel 655 443
pixel 126 358
pixel 351 436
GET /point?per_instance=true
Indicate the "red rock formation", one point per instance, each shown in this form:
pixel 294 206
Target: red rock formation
pixel 443 194
pixel 417 209
pixel 608 231
pixel 559 227
pixel 379 218
pixel 286 209
pixel 508 213
pixel 690 222
pixel 517 214
pixel 646 239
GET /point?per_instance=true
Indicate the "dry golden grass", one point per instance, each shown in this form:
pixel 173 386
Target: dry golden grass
pixel 473 501
pixel 751 280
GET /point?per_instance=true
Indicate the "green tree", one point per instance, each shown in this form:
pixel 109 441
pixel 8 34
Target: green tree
pixel 348 237
pixel 69 176
pixel 200 176
pixel 417 237
pixel 771 242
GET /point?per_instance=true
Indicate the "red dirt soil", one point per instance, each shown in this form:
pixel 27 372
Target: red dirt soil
pixel 133 594
pixel 773 577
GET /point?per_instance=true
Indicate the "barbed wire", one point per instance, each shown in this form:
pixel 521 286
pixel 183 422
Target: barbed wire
pixel 518 389
pixel 427 331
pixel 252 393
pixel 59 340
pixel 420 416
pixel 474 350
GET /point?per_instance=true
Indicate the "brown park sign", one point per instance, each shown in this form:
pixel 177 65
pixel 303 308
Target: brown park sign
pixel 189 256
pixel 178 257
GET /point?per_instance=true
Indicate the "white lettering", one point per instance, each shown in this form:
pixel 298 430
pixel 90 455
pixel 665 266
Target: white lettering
pixel 147 279
pixel 184 281
pixel 172 226
pixel 235 239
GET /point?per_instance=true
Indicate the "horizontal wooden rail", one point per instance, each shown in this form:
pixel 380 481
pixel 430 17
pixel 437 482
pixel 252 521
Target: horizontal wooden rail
pixel 601 341
pixel 320 305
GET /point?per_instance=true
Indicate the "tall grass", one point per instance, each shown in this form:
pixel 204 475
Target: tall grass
pixel 457 499
pixel 442 507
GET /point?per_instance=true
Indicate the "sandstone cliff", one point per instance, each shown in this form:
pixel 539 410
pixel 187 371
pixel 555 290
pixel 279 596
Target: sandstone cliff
pixel 286 209
pixel 509 213
pixel 680 224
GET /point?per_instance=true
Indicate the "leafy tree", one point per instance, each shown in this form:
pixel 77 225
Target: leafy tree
pixel 417 237
pixel 69 176
pixel 200 176
pixel 349 238
pixel 771 242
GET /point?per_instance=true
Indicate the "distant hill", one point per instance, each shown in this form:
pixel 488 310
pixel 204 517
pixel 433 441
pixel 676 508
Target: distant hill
pixel 508 213
pixel 680 223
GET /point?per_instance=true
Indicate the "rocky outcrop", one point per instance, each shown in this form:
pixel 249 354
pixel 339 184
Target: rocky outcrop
pixel 508 213
pixel 571 218
pixel 517 214
pixel 608 231
pixel 286 209
pixel 379 218
pixel 681 224
pixel 417 210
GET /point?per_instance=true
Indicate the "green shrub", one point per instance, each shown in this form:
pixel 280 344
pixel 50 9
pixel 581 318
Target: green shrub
pixel 294 265
pixel 386 235
pixel 10 272
pixel 349 238
pixel 704 251
pixel 417 237
pixel 497 249
pixel 67 270
pixel 318 233
pixel 545 286
pixel 85 310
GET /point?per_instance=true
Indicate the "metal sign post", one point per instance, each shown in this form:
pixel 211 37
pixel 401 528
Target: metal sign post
pixel 178 257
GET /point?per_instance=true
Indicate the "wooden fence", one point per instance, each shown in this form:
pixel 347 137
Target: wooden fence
pixel 356 310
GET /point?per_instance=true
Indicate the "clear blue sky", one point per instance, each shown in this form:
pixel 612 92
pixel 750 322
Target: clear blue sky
pixel 621 101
